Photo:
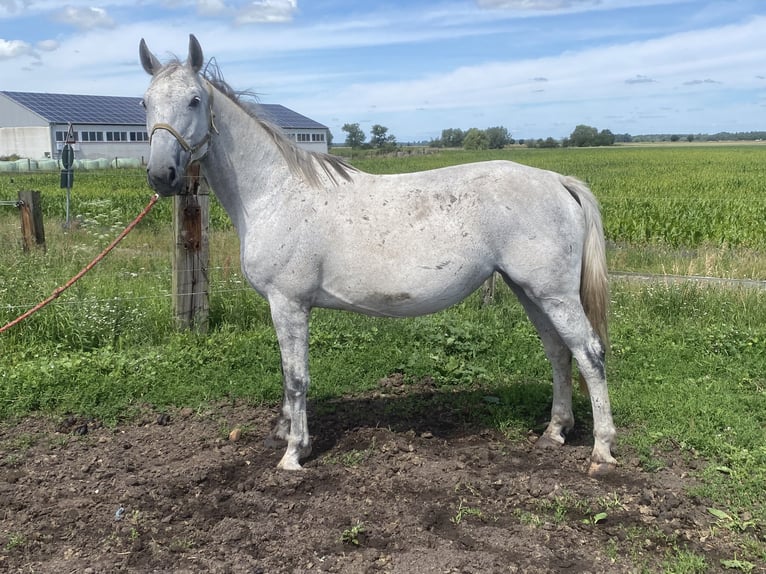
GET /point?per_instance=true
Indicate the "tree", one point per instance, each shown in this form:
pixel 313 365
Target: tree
pixel 548 143
pixel 583 136
pixel 475 139
pixel 380 138
pixel 452 137
pixel 497 137
pixel 605 137
pixel 355 136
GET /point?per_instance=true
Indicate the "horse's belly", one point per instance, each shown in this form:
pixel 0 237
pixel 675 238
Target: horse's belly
pixel 403 292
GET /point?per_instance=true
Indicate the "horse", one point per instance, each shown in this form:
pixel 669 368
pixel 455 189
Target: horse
pixel 316 232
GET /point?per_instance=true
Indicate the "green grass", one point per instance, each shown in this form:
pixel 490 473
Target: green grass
pixel 687 369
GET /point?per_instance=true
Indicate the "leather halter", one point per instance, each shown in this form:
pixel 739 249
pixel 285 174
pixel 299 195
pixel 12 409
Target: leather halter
pixel 192 149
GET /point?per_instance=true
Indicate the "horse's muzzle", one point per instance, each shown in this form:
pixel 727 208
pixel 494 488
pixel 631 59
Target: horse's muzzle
pixel 165 181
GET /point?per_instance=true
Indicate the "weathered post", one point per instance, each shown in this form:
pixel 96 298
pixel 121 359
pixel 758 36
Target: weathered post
pixel 191 214
pixel 488 290
pixel 31 211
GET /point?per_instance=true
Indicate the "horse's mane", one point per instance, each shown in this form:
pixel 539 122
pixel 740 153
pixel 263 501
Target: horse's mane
pixel 307 164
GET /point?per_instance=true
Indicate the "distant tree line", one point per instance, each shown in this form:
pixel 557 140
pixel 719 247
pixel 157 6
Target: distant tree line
pixel 379 137
pixel 498 137
pixel 717 137
pixel 491 138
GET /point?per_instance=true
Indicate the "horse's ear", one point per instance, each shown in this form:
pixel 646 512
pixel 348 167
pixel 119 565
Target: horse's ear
pixel 196 59
pixel 148 60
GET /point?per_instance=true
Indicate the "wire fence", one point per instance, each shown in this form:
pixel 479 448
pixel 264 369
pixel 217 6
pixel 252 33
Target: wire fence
pixel 136 178
pixel 616 275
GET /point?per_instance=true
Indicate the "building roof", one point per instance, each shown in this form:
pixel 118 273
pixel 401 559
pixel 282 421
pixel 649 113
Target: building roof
pixel 285 118
pixel 78 109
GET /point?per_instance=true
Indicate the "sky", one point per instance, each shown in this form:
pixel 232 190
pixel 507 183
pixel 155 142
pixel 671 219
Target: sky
pixel 536 67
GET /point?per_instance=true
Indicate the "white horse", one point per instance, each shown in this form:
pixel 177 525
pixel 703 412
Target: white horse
pixel 316 232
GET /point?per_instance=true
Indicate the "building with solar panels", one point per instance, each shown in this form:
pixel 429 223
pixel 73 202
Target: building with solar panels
pixel 35 126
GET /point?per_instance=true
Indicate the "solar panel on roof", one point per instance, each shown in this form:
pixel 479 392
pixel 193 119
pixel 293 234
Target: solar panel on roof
pixel 285 117
pixel 63 108
pixel 79 109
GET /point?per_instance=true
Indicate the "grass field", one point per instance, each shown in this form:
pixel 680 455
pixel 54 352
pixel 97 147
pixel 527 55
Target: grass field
pixel 687 366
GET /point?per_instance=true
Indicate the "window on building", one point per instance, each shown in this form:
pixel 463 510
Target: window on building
pixel 92 136
pixel 315 137
pixel 139 137
pixel 61 136
pixel 116 136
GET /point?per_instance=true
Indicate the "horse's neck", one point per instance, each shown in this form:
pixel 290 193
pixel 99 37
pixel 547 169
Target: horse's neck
pixel 243 166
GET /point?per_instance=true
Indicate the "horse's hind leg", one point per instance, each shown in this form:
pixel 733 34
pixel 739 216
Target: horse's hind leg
pixel 565 314
pixel 568 317
pixel 560 357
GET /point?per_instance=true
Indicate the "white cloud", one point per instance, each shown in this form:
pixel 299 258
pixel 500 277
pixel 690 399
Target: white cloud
pixel 8 7
pixel 10 49
pixel 47 45
pixel 268 11
pixel 211 7
pixel 85 18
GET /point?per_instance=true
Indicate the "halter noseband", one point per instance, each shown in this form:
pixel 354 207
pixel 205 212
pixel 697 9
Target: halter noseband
pixel 192 149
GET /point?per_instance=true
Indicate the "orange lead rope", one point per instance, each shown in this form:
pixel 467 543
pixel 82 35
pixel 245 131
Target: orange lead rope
pixel 58 291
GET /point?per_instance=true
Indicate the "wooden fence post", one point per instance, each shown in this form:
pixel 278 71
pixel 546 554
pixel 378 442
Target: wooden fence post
pixel 191 214
pixel 488 290
pixel 31 211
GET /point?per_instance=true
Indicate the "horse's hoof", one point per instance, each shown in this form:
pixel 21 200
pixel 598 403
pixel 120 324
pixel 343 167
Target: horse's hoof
pixel 601 469
pixel 289 465
pixel 546 442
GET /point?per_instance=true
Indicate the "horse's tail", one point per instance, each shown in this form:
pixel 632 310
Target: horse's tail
pixel 594 284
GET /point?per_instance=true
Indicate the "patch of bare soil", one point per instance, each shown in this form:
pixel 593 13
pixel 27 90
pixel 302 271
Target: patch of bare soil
pixel 397 482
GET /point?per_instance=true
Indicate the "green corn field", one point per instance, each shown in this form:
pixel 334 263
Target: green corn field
pixel 678 196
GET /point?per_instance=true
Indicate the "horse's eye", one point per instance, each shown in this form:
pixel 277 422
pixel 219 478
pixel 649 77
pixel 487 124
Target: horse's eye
pixel 194 102
pixel 143 104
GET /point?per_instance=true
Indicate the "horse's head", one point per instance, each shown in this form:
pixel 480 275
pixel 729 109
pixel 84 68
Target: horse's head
pixel 179 117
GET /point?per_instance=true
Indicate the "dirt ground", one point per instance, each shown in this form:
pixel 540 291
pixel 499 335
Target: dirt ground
pixel 398 482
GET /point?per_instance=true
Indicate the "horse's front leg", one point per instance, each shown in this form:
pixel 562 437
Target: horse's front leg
pixel 291 322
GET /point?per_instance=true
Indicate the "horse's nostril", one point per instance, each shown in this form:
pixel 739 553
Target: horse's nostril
pixel 171 174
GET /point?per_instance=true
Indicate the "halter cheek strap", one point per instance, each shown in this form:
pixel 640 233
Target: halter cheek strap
pixel 192 149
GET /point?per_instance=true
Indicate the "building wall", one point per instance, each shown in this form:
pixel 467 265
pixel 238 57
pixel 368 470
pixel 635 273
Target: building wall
pixel 93 141
pixel 30 142
pixel 309 139
pixel 105 141
pixel 12 115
